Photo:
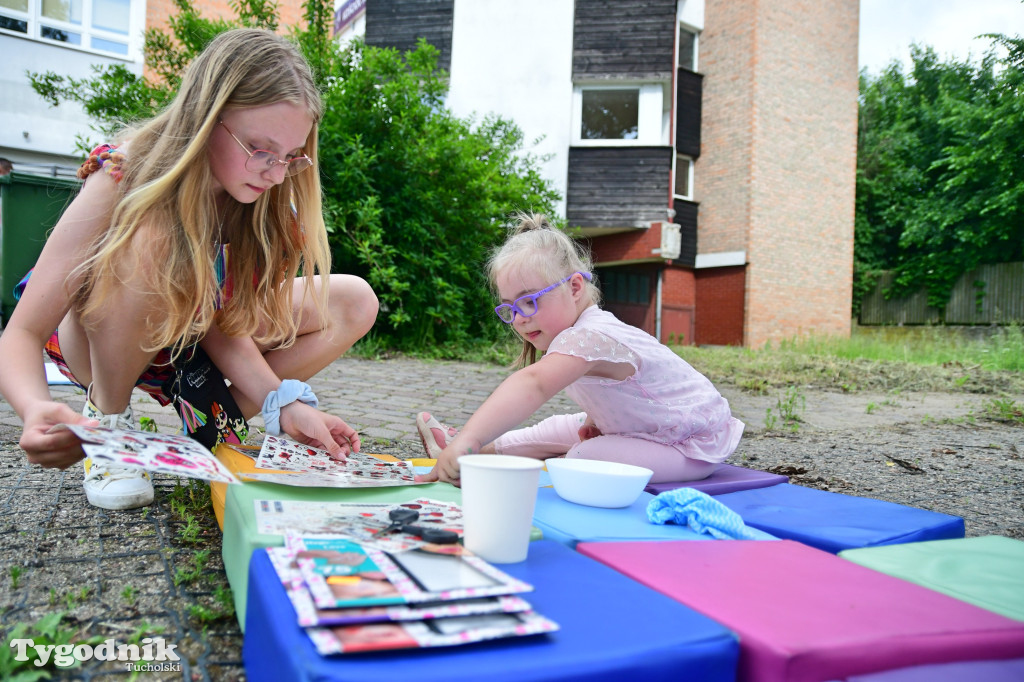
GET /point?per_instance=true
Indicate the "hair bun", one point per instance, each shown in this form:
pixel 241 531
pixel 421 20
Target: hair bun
pixel 527 222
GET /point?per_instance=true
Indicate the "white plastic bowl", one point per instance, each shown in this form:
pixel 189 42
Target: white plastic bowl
pixel 596 483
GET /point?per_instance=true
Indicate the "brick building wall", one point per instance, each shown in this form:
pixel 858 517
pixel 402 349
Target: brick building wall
pixel 158 12
pixel 678 306
pixel 776 179
pixel 720 301
pixel 633 245
pixel 678 287
pixel 722 182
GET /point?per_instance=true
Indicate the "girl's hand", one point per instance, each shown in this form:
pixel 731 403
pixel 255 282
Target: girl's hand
pixel 447 467
pixel 48 448
pixel 310 426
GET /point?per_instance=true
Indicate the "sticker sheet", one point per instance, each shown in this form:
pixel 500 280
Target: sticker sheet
pixel 315 467
pixel 362 522
pixel 155 452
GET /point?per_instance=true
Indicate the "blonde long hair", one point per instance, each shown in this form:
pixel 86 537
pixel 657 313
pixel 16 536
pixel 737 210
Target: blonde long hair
pixel 167 180
pixel 533 243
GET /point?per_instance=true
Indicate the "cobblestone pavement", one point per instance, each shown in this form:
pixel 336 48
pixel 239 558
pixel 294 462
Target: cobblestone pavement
pixel 157 572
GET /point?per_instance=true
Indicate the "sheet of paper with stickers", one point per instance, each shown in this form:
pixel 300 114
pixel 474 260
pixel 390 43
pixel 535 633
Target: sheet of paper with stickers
pixel 314 467
pixel 359 521
pixel 155 452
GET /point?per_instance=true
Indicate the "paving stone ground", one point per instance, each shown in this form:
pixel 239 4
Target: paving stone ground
pixel 157 572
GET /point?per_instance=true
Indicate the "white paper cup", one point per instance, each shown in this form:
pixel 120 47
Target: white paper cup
pixel 498 496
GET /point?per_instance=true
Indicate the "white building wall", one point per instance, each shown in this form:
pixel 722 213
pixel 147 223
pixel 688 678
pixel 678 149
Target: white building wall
pixel 514 59
pixel 31 131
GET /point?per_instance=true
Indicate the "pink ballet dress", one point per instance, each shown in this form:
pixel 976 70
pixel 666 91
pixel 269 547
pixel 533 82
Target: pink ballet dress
pixel 665 409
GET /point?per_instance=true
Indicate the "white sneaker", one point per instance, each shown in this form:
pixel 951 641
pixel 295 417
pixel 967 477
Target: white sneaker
pixel 109 486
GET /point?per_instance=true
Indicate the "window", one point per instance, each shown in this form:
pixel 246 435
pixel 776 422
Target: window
pixel 610 114
pixel 622 286
pixel 683 177
pixel 619 114
pixel 687 48
pixel 99 25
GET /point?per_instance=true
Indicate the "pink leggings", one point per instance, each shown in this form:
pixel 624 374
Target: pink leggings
pixel 559 435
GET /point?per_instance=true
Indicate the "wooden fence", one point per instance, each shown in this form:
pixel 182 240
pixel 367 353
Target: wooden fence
pixel 991 294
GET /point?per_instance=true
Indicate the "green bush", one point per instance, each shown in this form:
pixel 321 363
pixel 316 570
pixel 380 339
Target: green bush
pixel 416 197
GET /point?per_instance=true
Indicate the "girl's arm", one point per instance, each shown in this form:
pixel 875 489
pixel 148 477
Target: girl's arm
pixel 515 399
pixel 241 361
pixel 47 299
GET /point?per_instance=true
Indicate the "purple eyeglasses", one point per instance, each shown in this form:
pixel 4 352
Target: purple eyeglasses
pixel 527 305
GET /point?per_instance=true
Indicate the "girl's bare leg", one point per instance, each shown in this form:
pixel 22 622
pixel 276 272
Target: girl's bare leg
pixel 109 355
pixel 352 310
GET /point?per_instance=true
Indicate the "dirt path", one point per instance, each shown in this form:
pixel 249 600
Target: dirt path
pixel 930 450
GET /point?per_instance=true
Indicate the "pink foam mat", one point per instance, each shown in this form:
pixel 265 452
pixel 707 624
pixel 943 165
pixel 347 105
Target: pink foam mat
pixel 803 614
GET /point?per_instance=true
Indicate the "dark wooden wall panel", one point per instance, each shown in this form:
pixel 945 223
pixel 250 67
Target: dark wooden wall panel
pixel 620 39
pixel 688 99
pixel 400 23
pixel 618 186
pixel 686 218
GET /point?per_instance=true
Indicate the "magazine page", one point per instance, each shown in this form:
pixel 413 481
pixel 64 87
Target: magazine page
pixel 352 639
pixel 335 575
pixel 283 560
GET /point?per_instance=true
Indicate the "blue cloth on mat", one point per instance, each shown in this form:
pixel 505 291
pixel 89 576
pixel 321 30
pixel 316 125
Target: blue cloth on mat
pixel 703 514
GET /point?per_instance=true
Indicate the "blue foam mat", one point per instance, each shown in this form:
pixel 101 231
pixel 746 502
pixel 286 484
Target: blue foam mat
pixel 570 523
pixel 834 522
pixel 612 629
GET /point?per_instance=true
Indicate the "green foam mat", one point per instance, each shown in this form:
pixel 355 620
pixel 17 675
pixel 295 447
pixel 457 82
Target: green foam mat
pixel 985 571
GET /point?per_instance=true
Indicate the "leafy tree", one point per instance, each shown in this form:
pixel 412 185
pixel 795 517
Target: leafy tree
pixel 940 170
pixel 414 197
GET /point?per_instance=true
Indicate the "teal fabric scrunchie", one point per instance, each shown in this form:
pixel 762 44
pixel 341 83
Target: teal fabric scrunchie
pixel 289 391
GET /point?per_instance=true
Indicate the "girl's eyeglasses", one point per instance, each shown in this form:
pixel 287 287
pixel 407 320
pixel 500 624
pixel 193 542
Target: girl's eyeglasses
pixel 527 305
pixel 260 160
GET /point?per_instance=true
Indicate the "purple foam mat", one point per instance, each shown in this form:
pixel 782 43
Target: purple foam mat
pixel 726 478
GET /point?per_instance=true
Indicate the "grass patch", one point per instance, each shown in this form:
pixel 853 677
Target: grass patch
pixel 1004 410
pixel 917 362
pixel 876 359
pixel 501 353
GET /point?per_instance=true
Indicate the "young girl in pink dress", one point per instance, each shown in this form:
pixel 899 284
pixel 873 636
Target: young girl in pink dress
pixel 642 404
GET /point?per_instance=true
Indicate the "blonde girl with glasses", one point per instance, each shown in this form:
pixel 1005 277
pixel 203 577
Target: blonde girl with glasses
pixel 642 404
pixel 201 225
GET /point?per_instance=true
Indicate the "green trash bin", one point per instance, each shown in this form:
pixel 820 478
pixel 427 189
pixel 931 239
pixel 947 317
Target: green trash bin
pixel 29 207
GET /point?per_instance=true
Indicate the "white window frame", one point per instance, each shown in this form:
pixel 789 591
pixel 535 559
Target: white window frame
pixel 651 115
pixel 683 26
pixel 677 160
pixel 36 21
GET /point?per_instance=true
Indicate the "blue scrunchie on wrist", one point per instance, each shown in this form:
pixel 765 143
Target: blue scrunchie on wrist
pixel 289 391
